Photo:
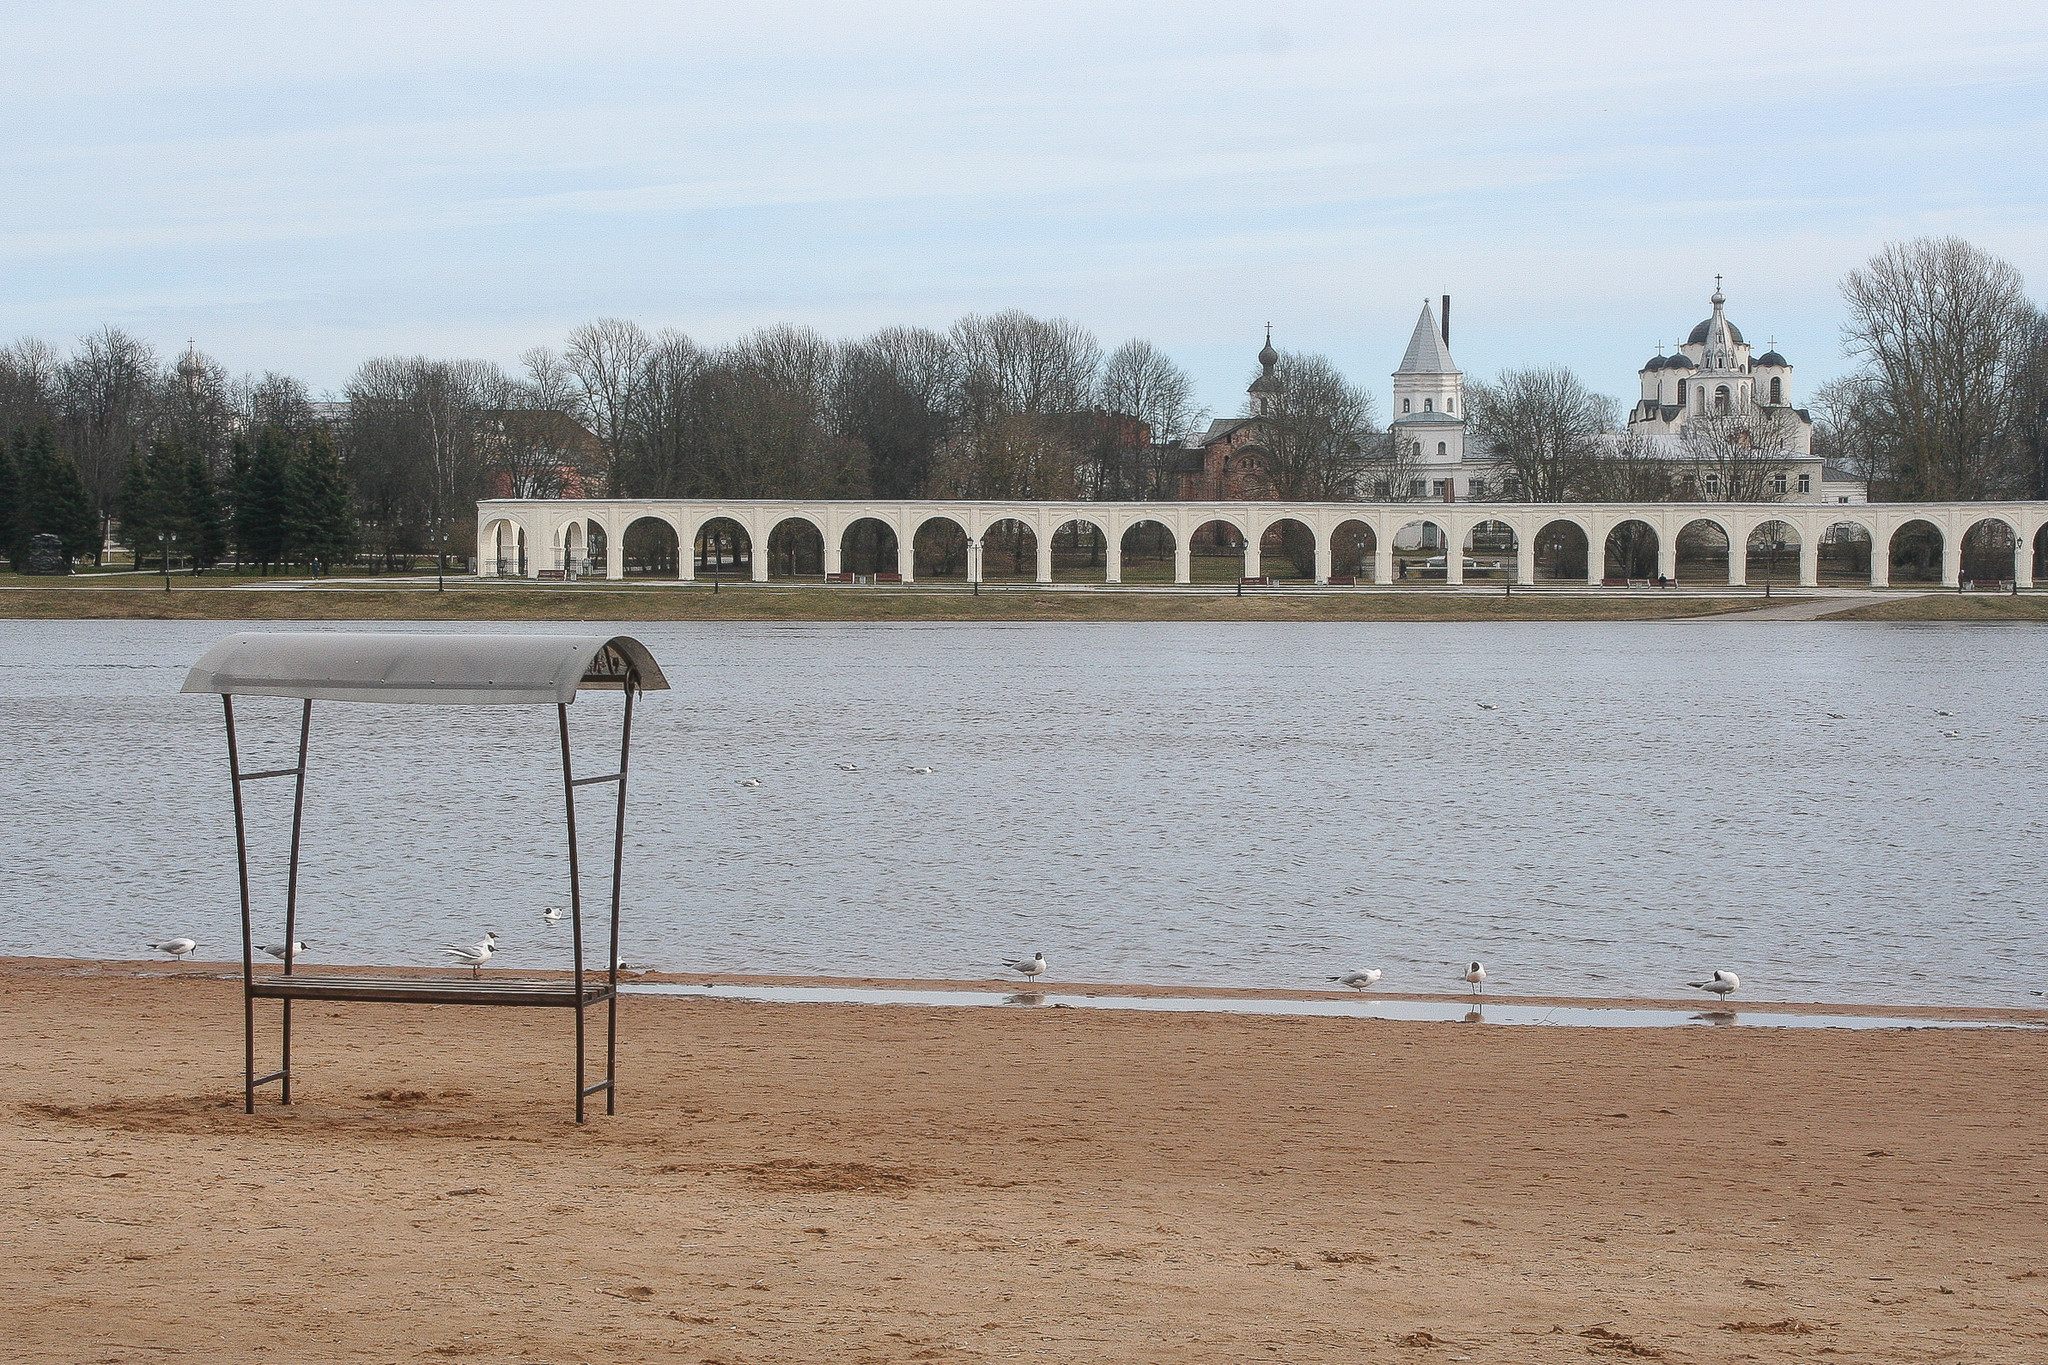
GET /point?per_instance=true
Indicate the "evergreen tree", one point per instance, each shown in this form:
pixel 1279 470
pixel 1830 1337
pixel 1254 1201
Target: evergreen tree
pixel 260 499
pixel 319 521
pixel 153 502
pixel 231 489
pixel 202 512
pixel 13 540
pixel 53 497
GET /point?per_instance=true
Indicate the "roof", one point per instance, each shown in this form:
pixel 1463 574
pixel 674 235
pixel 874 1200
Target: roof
pixel 1428 419
pixel 1426 352
pixel 1834 473
pixel 1770 358
pixel 389 666
pixel 1699 333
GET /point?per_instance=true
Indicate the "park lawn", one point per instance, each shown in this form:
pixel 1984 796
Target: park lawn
pixel 1951 606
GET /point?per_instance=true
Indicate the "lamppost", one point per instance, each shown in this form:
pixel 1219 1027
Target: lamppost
pixel 1777 543
pixel 165 540
pixel 974 564
pixel 441 569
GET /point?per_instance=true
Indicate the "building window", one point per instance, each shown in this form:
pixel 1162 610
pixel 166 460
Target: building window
pixel 1713 485
pixel 1478 487
pixel 1777 389
pixel 1429 405
pixel 1436 488
pixel 1841 500
pixel 1382 490
pixel 1681 393
pixel 1721 400
pixel 1778 482
pixel 1442 449
pixel 1806 483
pixel 1450 405
pixel 1405 405
pixel 1418 450
pixel 1415 487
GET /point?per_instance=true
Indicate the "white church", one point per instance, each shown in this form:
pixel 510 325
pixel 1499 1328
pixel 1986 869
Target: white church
pixel 1713 375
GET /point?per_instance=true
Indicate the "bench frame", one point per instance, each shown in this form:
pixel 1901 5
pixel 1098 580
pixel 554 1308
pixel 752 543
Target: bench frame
pixel 580 994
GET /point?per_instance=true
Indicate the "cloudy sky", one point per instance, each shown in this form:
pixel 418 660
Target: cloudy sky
pixel 299 187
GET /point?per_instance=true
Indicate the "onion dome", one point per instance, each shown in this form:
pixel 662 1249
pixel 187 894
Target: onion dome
pixel 1770 358
pixel 1699 333
pixel 1681 361
pixel 1267 382
pixel 1657 362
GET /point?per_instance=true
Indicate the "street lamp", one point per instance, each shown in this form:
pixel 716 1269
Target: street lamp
pixel 1777 543
pixel 165 540
pixel 974 564
pixel 441 569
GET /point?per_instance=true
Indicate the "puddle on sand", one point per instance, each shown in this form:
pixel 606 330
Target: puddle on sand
pixel 1363 1007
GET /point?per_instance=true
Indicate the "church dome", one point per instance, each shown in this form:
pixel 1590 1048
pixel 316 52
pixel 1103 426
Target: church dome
pixel 1680 361
pixel 1699 333
pixel 1657 362
pixel 1772 358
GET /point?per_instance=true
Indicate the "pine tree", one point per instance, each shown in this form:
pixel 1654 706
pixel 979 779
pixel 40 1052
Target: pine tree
pixel 231 489
pixel 319 521
pixel 153 502
pixel 260 500
pixel 53 497
pixel 13 540
pixel 202 512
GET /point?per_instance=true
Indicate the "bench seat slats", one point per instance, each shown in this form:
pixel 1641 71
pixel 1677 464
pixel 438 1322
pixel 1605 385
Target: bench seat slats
pixel 428 990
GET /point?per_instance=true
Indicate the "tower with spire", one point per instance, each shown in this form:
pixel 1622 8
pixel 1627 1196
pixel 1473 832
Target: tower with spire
pixel 1429 396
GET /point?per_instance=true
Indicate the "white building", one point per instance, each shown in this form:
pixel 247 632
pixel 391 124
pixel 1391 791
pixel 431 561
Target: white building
pixel 1429 417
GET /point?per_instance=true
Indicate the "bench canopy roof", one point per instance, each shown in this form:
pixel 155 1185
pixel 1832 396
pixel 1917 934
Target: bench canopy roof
pixel 391 666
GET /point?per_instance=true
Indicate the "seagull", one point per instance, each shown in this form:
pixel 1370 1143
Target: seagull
pixel 847 767
pixel 476 954
pixel 277 950
pixel 1035 967
pixel 179 948
pixel 1944 713
pixel 1488 706
pixel 751 782
pixel 1476 974
pixel 1359 981
pixel 1836 715
pixel 1723 984
pixel 921 772
pixel 554 912
pixel 1951 734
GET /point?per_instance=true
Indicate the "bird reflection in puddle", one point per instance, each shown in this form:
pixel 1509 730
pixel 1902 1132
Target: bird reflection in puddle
pixel 1475 1017
pixel 1715 1017
pixel 1025 998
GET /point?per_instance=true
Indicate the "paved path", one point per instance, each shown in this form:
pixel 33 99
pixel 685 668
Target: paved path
pixel 1811 609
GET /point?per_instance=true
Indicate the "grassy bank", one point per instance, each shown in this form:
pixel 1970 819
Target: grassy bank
pixel 824 604
pixel 1951 606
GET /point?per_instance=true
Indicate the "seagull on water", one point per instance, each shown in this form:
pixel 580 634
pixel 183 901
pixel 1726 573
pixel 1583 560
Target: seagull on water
pixel 1488 706
pixel 1033 968
pixel 180 948
pixel 1360 980
pixel 476 954
pixel 751 782
pixel 1944 713
pixel 921 772
pixel 1476 974
pixel 1836 715
pixel 1951 734
pixel 278 950
pixel 1723 984
pixel 553 913
pixel 847 767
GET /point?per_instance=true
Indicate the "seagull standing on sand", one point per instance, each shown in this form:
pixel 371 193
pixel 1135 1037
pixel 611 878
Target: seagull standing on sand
pixel 1476 974
pixel 278 950
pixel 1361 980
pixel 476 954
pixel 1032 969
pixel 180 948
pixel 1723 984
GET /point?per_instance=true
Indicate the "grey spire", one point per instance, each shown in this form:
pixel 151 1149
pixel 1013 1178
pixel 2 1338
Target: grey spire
pixel 1426 352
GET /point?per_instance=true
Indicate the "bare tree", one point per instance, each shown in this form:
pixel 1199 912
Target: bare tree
pixel 1943 330
pixel 1632 467
pixel 897 395
pixel 1738 456
pixel 108 393
pixel 664 460
pixel 30 373
pixel 609 359
pixel 1151 401
pixel 197 408
pixel 1542 427
pixel 1315 432
pixel 275 400
pixel 412 448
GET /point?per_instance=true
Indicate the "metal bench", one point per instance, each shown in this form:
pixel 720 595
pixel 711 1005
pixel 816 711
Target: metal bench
pixel 486 670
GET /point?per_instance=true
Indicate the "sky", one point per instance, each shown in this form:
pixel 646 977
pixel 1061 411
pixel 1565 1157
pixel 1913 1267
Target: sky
pixel 300 187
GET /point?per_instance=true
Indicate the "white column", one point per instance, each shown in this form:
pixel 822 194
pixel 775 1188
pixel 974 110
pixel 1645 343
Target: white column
pixel 686 557
pixel 832 535
pixel 1454 550
pixel 2023 561
pixel 1382 557
pixel 1951 558
pixel 614 550
pixel 1667 553
pixel 1880 554
pixel 1738 558
pixel 1251 555
pixel 1112 558
pixel 1525 558
pixel 1596 556
pixel 1044 556
pixel 1183 560
pixel 1809 560
pixel 1323 557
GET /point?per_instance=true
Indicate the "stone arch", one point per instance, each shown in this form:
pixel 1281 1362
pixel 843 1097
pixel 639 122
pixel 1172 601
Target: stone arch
pixel 651 547
pixel 722 547
pixel 1148 550
pixel 2041 552
pixel 1843 551
pixel 939 548
pixel 1988 550
pixel 796 547
pixel 1080 550
pixel 1562 547
pixel 1009 549
pixel 1492 546
pixel 1287 549
pixel 1415 544
pixel 569 554
pixel 868 545
pixel 1772 551
pixel 1354 546
pixel 596 548
pixel 1701 550
pixel 1216 550
pixel 1913 552
pixel 498 549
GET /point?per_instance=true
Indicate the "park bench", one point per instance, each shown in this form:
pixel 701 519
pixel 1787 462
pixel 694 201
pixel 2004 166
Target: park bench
pixel 1262 581
pixel 552 573
pixel 1985 584
pixel 476 670
pixel 1615 583
pixel 888 578
pixel 839 578
pixel 1343 580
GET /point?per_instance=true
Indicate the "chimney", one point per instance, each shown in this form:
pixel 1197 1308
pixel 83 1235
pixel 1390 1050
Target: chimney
pixel 1447 320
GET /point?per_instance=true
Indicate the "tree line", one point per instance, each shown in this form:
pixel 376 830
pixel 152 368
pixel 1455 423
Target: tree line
pixel 1948 399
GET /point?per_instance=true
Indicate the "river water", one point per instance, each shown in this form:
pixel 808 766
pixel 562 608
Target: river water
pixel 1255 805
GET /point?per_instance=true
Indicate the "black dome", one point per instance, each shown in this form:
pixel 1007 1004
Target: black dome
pixel 1657 362
pixel 1681 361
pixel 1773 358
pixel 1699 333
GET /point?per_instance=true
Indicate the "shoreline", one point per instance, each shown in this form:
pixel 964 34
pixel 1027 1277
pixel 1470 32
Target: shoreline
pixel 370 600
pixel 153 968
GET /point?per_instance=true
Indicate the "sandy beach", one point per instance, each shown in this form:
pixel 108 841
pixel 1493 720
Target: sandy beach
pixel 818 1182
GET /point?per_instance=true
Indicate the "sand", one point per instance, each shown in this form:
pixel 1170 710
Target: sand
pixel 867 1184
